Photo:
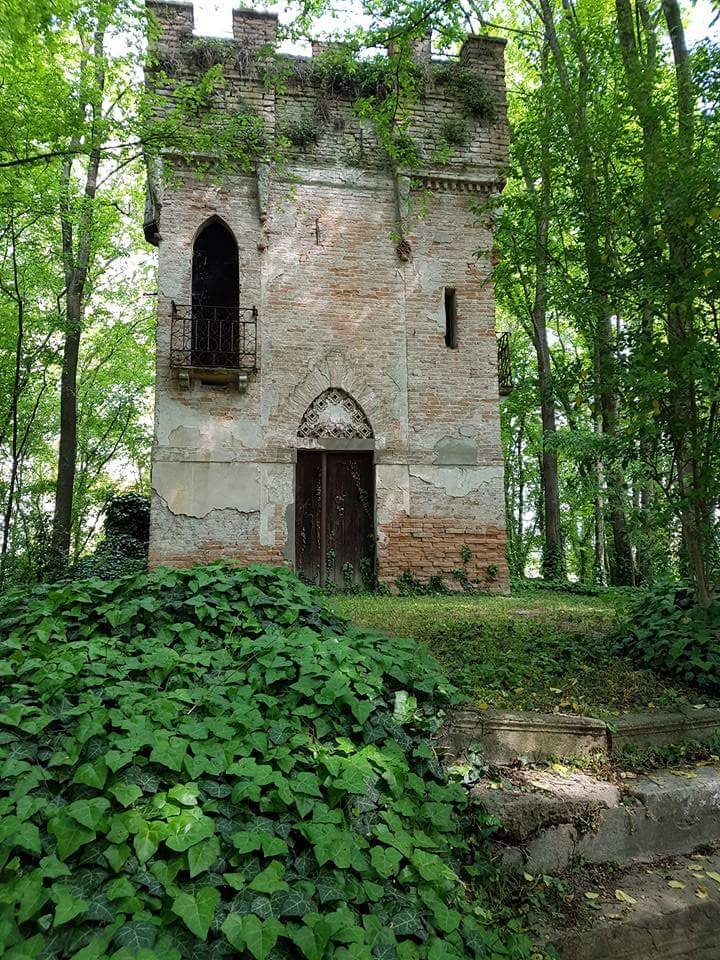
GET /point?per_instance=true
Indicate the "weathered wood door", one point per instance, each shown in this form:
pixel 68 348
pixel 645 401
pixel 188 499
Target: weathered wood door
pixel 334 516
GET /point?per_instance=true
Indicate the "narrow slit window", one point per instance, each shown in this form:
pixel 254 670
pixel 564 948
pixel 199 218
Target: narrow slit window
pixel 450 318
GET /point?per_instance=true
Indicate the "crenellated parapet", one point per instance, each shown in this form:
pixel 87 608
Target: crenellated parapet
pixel 456 122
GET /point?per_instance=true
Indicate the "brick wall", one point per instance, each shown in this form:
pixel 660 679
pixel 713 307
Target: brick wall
pixel 435 547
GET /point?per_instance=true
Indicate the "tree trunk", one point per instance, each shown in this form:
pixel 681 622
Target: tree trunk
pixel 67 452
pixel 14 456
pixel 553 561
pixel 76 247
pixel 683 419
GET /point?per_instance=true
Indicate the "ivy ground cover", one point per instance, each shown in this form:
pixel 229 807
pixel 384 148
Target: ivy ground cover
pixel 208 763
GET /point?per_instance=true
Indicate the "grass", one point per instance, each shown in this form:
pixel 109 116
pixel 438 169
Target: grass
pixel 543 650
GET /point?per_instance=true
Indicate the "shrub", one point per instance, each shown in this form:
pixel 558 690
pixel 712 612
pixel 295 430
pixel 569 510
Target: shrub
pixel 302 128
pixel 471 90
pixel 455 132
pixel 124 548
pixel 668 632
pixel 208 763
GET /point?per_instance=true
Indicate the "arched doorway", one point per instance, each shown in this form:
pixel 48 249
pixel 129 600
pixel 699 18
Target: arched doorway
pixel 335 493
pixel 215 297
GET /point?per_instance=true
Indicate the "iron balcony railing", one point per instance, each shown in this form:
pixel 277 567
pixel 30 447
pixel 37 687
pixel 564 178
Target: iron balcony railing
pixel 217 338
pixel 505 380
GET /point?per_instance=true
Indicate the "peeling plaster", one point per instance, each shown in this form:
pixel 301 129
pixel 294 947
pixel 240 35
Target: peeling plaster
pixel 455 451
pixel 196 489
pixel 393 491
pixel 456 481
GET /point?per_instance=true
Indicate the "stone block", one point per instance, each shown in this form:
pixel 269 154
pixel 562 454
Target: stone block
pixel 664 729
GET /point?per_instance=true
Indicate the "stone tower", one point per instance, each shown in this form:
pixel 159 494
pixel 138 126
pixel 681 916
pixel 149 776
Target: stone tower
pixel 327 376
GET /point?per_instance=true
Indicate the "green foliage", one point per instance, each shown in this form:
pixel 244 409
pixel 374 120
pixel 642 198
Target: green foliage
pixel 545 650
pixel 667 631
pixel 207 762
pixel 123 550
pixel 301 127
pixel 455 132
pixel 470 89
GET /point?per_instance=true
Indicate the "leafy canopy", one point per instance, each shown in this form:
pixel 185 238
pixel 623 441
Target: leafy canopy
pixel 209 763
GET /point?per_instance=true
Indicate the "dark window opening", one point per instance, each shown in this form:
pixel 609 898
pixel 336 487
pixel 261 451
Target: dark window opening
pixel 215 298
pixel 450 318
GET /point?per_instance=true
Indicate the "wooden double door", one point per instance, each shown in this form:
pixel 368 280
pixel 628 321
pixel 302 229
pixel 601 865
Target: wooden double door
pixel 334 517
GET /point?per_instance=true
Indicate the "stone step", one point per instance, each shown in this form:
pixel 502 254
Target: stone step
pixel 675 915
pixel 550 819
pixel 502 736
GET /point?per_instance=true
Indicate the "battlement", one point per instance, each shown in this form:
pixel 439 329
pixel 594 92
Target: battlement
pixel 458 121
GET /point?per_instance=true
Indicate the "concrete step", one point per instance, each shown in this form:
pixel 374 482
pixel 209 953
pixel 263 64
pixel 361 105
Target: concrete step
pixel 550 819
pixel 675 915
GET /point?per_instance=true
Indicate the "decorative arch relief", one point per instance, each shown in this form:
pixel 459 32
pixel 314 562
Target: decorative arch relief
pixel 334 413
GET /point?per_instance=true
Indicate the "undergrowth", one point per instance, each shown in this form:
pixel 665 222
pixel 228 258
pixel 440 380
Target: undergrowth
pixel 667 631
pixel 209 763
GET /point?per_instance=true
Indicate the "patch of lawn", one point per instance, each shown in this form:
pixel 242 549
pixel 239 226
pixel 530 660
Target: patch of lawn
pixel 537 650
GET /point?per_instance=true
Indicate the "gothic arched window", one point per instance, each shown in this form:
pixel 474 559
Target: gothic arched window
pixel 215 297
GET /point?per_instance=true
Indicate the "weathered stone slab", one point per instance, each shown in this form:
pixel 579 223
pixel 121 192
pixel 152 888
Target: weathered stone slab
pixel 664 923
pixel 549 820
pixel 664 729
pixel 538 736
pixel 503 736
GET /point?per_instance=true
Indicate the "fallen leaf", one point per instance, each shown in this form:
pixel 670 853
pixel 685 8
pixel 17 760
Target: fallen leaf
pixel 560 768
pixel 624 897
pixel 698 706
pixel 529 877
pixel 713 874
pixel 676 884
pixel 613 916
pixel 701 893
pixel 688 774
pixel 591 895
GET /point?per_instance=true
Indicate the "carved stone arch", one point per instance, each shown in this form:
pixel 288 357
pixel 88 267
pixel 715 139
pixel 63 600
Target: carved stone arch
pixel 334 413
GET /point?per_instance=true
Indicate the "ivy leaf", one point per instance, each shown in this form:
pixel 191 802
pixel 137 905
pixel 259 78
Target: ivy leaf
pixel 203 856
pixel 70 835
pixel 31 894
pixel 197 911
pixel 185 794
pixel 126 793
pixel 290 903
pixel 89 813
pixel 116 759
pixel 136 936
pixel 92 774
pixel 170 753
pixel 407 923
pixel 52 868
pixel 355 951
pixel 187 829
pixel 116 855
pixel 117 889
pixel 67 905
pixel 307 783
pixel 249 933
pixel 270 879
pixel 385 860
pixel 147 839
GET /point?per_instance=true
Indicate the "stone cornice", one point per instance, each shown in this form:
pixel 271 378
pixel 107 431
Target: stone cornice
pixel 447 181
